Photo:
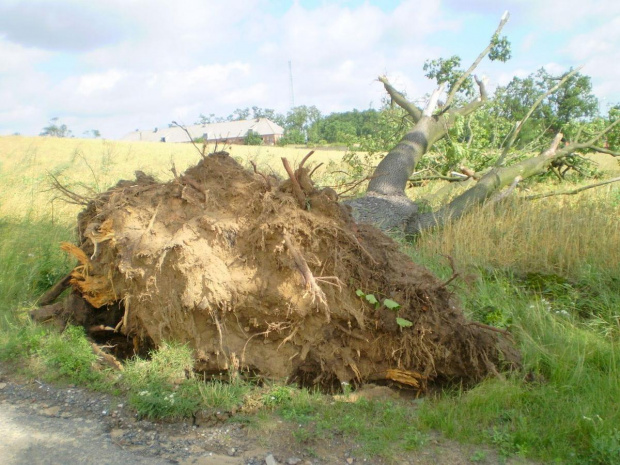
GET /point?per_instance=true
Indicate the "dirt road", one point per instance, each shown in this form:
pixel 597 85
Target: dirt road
pixel 42 424
pixel 45 424
pixel 30 438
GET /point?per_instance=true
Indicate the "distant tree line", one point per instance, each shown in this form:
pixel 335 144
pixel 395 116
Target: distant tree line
pixel 306 125
pixel 57 129
pixel 571 109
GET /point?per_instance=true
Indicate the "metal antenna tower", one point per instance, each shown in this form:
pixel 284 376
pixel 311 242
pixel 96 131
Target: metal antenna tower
pixel 290 74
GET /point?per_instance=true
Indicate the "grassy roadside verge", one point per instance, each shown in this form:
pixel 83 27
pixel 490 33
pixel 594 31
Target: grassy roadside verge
pixel 548 271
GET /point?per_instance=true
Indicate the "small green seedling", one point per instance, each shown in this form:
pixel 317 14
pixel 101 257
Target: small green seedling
pixel 372 300
pixel 389 303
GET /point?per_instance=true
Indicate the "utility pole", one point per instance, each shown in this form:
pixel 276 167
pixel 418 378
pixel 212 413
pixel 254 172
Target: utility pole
pixel 292 94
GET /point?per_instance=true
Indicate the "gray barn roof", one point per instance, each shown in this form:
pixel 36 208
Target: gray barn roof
pixel 213 131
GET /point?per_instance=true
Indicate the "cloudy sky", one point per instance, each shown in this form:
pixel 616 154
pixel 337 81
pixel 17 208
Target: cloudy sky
pixel 119 65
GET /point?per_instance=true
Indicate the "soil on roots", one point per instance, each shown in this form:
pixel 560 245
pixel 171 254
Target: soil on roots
pixel 228 262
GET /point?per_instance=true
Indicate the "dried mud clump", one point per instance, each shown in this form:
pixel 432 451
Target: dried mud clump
pixel 263 277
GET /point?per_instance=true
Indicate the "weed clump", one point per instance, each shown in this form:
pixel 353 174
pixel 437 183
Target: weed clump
pixel 165 386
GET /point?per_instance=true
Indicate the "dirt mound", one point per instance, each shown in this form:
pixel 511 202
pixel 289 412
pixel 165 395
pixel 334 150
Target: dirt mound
pixel 229 262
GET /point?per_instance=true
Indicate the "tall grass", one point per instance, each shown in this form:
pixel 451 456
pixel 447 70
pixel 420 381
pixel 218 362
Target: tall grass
pixel 562 235
pixel 548 270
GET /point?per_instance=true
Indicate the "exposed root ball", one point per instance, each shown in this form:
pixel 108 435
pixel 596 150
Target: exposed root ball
pixel 221 260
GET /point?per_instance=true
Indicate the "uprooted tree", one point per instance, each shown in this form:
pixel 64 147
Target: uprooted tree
pixel 385 203
pixel 279 279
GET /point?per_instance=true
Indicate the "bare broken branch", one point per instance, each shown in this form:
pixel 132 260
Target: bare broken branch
pixel 189 136
pixel 502 195
pixel 474 104
pixel 401 100
pixel 354 184
pixel 604 150
pixel 432 102
pixel 297 191
pixel 572 192
pixel 477 61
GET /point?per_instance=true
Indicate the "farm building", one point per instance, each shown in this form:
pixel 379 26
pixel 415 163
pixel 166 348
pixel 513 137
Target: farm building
pixel 230 132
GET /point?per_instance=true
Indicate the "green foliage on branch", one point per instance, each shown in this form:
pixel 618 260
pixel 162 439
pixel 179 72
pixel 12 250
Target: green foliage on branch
pixel 500 50
pixel 572 102
pixel 449 71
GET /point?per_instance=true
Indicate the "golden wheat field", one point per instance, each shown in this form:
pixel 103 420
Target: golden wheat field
pixel 26 164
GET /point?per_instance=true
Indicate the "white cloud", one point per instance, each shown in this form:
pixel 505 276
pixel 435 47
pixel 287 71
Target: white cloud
pixel 19 59
pixel 528 42
pixel 599 52
pixel 92 83
pixel 152 61
pixel 554 68
pixel 60 25
pixel 566 15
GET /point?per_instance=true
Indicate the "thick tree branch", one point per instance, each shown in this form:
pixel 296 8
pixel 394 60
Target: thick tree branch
pixel 435 177
pixel 570 148
pixel 502 195
pixel 477 61
pixel 400 99
pixel 489 183
pixel 474 104
pixel 391 175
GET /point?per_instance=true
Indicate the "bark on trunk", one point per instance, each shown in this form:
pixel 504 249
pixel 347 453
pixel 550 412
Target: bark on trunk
pixel 385 204
pixel 391 175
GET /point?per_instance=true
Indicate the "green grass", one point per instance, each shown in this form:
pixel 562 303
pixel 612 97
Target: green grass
pixel 30 263
pixel 563 406
pixel 165 386
pixel 382 428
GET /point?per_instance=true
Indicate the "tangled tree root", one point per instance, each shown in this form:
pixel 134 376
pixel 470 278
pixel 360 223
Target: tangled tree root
pixel 266 280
